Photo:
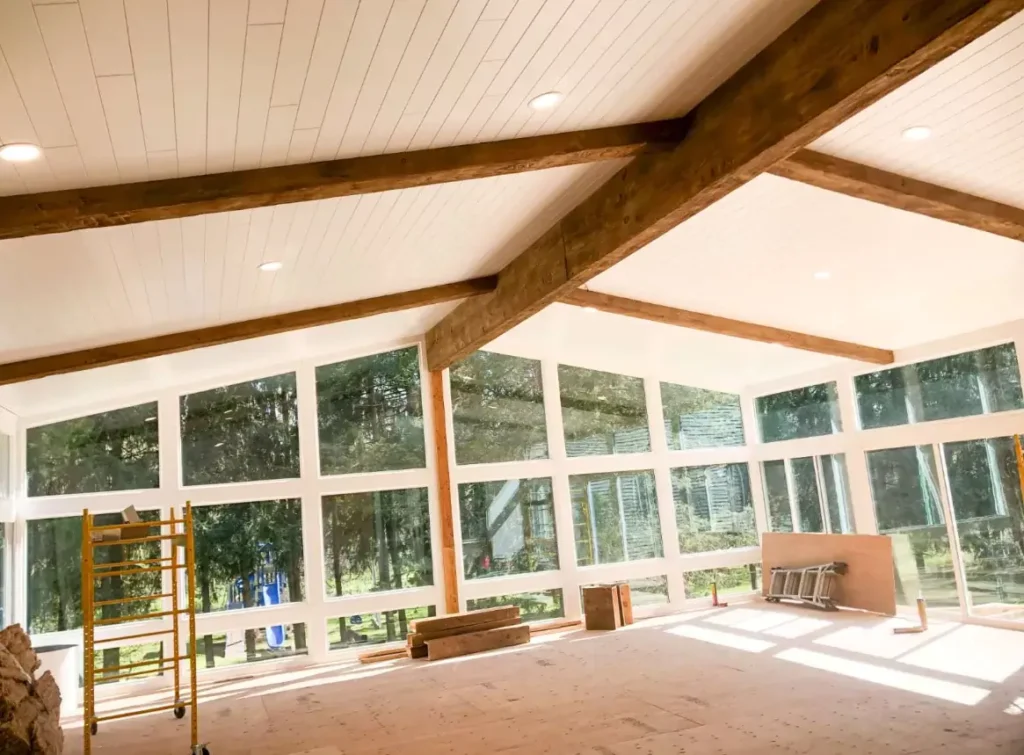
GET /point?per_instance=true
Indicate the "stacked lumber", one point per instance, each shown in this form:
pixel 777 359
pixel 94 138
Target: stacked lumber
pixel 458 634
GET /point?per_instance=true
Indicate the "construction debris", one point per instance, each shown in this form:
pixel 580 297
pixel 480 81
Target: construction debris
pixel 29 707
pixel 477 642
pixel 922 614
pixel 607 606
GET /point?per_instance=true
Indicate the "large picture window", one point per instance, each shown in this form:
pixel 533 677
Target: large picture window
pixel 976 382
pixel 498 409
pixel 801 413
pixel 241 433
pixel 115 450
pixel 602 413
pixel 251 645
pixel 809 492
pixel 697 418
pixel 508 527
pixel 615 517
pixel 714 510
pixel 370 413
pixel 533 606
pixel 374 628
pixel 377 541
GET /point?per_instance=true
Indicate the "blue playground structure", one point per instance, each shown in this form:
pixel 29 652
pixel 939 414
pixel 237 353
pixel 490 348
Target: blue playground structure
pixel 268 587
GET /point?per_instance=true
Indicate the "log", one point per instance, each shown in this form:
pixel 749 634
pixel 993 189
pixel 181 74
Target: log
pixel 376 656
pixel 552 626
pixel 477 642
pixel 420 638
pixel 419 651
pixel 465 619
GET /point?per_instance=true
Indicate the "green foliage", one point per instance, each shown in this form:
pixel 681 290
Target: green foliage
pixel 602 413
pixel 738 579
pixel 698 418
pixel 615 517
pixel 800 413
pixel 370 414
pixel 374 628
pixel 498 409
pixel 100 453
pixel 714 509
pixel 533 606
pixel 241 433
pixel 518 538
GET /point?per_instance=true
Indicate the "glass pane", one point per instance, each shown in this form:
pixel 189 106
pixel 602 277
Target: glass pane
pixel 986 497
pixel 55 574
pixel 906 496
pixel 714 510
pixel 729 581
pixel 801 413
pixel 533 606
pixel 150 654
pixel 776 493
pixel 603 413
pixel 96 454
pixel 837 494
pixel 648 591
pixel 377 541
pixel 498 409
pixel 696 418
pixel 374 628
pixel 977 382
pixel 508 527
pixel 248 555
pixel 805 489
pixel 251 645
pixel 241 433
pixel 615 517
pixel 371 413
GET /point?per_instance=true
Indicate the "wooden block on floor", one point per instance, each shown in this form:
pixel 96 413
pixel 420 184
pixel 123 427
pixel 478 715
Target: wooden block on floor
pixel 477 642
pixel 417 651
pixel 420 638
pixel 601 608
pixel 625 602
pixel 466 619
pixel 376 656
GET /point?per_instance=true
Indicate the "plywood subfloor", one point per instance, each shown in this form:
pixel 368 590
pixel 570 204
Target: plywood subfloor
pixel 752 679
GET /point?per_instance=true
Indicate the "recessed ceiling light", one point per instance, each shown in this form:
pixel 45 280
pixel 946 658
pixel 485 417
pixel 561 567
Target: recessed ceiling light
pixel 19 153
pixel 546 101
pixel 822 275
pixel 271 267
pixel 917 133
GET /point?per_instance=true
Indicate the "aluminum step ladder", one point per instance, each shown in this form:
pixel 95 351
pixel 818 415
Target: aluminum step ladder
pixel 812 585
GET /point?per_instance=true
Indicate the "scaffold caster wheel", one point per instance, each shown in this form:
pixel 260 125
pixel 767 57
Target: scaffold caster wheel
pixel 199 750
pixel 93 728
pixel 179 712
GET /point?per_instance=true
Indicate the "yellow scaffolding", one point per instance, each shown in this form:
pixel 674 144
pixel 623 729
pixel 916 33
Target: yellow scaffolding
pixel 178 532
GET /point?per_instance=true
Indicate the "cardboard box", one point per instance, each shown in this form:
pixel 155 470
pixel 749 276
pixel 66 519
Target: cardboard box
pixel 134 528
pixel 601 607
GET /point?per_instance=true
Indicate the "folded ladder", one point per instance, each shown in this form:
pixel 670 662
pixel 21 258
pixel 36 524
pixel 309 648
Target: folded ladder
pixel 808 584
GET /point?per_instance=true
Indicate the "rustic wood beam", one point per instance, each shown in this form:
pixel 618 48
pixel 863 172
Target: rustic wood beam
pixel 173 343
pixel 75 209
pixel 449 564
pixel 839 58
pixel 725 326
pixel 902 193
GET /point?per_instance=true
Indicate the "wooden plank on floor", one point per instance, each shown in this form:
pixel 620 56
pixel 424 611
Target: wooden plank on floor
pixel 477 642
pixel 421 638
pixel 465 619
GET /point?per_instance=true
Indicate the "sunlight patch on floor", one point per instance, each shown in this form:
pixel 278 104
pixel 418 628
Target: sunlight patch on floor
pixel 878 640
pixel 751 619
pixel 750 644
pixel 985 653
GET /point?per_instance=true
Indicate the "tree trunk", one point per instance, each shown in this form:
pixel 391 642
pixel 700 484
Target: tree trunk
pixel 295 594
pixel 207 603
pixel 391 540
pixel 248 602
pixel 62 622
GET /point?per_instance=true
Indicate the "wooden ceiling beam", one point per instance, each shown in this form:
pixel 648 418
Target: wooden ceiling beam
pixel 174 343
pixel 902 193
pixel 102 206
pixel 839 58
pixel 683 318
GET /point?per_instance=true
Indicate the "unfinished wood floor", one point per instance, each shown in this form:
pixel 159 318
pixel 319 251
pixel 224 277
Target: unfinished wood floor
pixel 753 679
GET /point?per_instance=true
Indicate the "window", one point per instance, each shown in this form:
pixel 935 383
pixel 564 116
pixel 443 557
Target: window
pixel 615 517
pixel 801 413
pixel 498 409
pixel 248 555
pixel 96 454
pixel 602 413
pixel 370 413
pixel 377 541
pixel 241 433
pixel 696 418
pixel 374 628
pixel 251 645
pixel 648 591
pixel 508 527
pixel 728 581
pixel 533 606
pixel 906 495
pixel 55 575
pixel 813 490
pixel 977 382
pixel 149 655
pixel 986 498
pixel 714 510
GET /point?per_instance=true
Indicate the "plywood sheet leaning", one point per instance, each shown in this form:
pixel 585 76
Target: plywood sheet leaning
pixel 870 582
pixel 477 642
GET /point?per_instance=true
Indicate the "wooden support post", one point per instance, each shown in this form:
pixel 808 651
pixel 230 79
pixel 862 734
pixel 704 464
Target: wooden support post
pixel 444 493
